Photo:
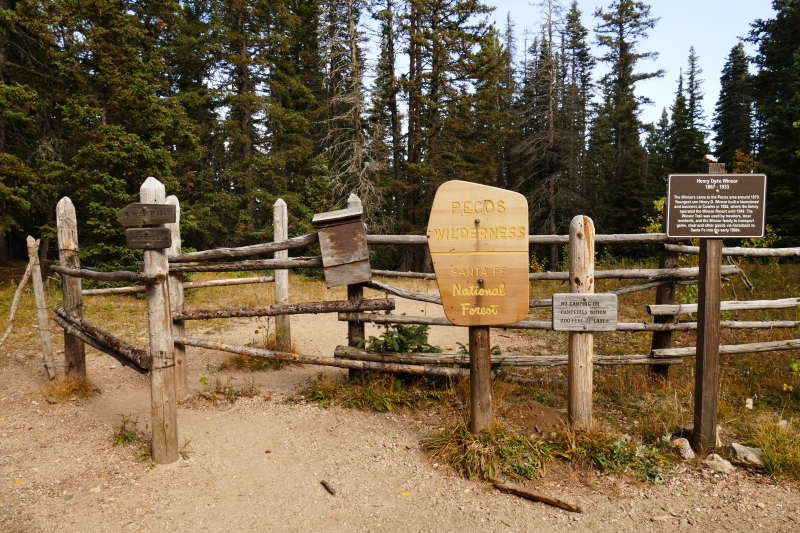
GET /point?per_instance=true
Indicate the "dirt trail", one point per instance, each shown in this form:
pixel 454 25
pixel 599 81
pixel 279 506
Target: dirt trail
pixel 59 471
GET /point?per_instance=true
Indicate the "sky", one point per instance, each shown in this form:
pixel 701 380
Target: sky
pixel 713 27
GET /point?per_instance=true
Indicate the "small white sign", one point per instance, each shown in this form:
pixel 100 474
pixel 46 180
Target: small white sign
pixel 584 312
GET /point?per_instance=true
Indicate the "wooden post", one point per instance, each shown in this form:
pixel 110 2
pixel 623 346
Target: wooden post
pixel 175 281
pixel 354 293
pixel 480 380
pixel 580 358
pixel 67 223
pixel 706 384
pixel 283 324
pixel 41 309
pixel 665 294
pixel 163 399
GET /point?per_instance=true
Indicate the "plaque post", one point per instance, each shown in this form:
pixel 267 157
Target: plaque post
pixel 706 387
pixel 580 358
pixel 480 380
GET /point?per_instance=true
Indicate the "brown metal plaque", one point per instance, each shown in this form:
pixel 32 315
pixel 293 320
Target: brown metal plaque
pixel 584 312
pixel 146 214
pixel 148 238
pixel 716 205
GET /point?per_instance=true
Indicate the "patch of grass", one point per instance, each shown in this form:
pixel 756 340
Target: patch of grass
pixel 65 389
pixel 614 454
pixel 126 433
pixel 781 446
pixel 378 392
pixel 400 338
pixel 246 363
pixel 490 454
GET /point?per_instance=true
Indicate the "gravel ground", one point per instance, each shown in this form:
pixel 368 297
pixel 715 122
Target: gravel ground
pixel 257 465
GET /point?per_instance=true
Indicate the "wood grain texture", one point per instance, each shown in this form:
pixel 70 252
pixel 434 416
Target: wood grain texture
pixel 148 238
pixel 163 396
pixel 41 309
pixel 67 223
pixel 478 240
pixel 350 273
pixel 581 345
pixel 176 299
pixel 280 228
pixel 480 380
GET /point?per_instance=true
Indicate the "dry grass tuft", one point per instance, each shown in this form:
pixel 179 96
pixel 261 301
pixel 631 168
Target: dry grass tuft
pixel 781 446
pixel 65 389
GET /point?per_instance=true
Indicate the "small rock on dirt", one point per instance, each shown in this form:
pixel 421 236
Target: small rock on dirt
pixel 683 447
pixel 748 404
pixel 747 455
pixel 783 424
pixel 718 464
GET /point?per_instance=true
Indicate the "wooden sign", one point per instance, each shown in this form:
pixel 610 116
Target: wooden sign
pixel 148 238
pixel 478 239
pixel 584 312
pixel 716 205
pixel 146 214
pixel 343 242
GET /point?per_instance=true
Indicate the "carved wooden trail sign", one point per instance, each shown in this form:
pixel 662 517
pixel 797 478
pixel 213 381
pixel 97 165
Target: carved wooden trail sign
pixel 146 214
pixel 478 239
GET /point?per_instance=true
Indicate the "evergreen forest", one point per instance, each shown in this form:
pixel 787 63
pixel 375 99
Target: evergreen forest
pixel 233 104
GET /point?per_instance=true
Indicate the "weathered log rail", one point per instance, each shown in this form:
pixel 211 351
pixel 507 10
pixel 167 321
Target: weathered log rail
pixel 731 349
pixel 244 251
pixel 104 341
pixel 737 251
pixel 185 285
pixel 132 277
pixel 248 265
pixel 738 305
pixel 304 308
pixel 349 352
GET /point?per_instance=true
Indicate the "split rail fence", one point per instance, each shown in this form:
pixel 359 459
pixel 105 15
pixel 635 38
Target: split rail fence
pixel 162 281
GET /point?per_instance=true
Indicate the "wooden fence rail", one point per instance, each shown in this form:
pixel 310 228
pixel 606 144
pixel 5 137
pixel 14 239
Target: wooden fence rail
pixel 126 354
pixel 186 285
pixel 303 308
pixel 349 352
pixel 730 349
pixel 249 265
pixel 738 305
pixel 737 251
pixel 132 277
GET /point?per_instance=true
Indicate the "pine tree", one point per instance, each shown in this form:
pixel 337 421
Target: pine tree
pixel 733 115
pixel 776 94
pixel 658 161
pixel 623 200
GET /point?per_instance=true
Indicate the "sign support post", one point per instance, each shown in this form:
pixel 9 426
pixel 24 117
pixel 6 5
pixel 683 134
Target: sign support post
pixel 480 380
pixel 706 387
pixel 580 358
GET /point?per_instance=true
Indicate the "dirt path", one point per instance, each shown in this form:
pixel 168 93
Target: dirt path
pixel 59 471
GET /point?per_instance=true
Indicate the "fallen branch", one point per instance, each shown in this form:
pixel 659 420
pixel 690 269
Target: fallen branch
pixel 519 490
pixel 12 315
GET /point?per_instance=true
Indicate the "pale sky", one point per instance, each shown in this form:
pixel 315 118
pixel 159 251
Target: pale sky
pixel 713 27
